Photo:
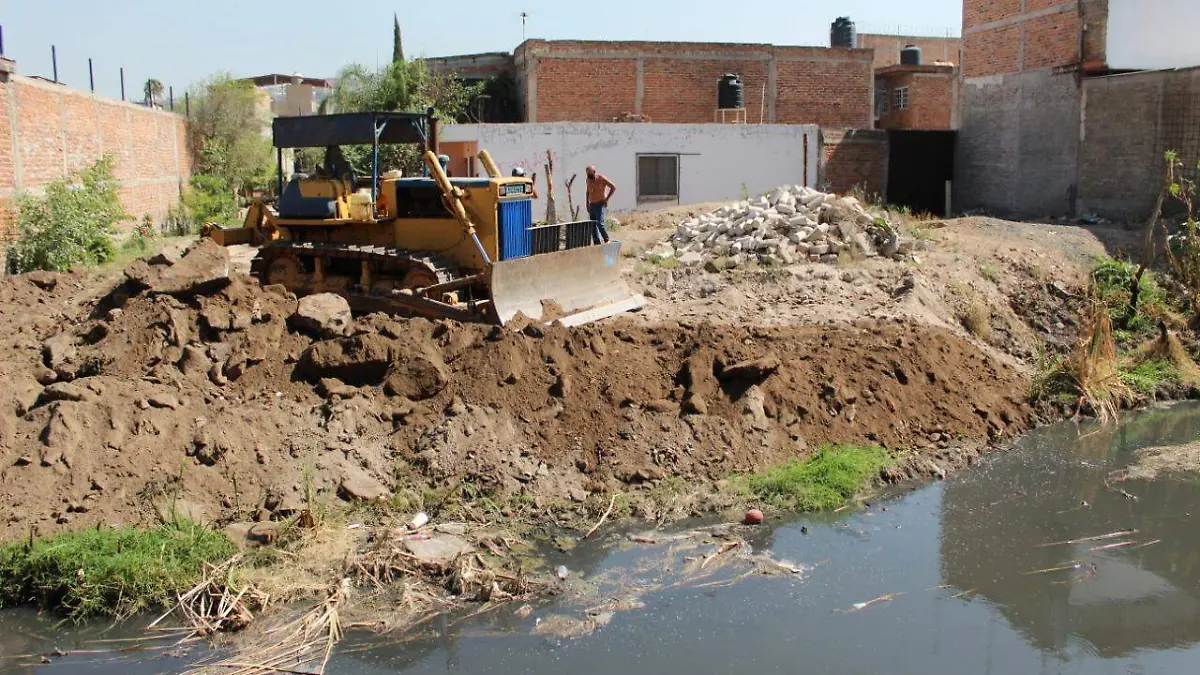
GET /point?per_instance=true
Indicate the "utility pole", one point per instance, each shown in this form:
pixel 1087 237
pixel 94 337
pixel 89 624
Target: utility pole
pixel 524 16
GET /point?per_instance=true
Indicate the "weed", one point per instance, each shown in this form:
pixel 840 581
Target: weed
pixel 978 320
pixel 988 272
pixel 666 262
pixel 1146 377
pixel 825 480
pixel 1113 282
pixel 116 572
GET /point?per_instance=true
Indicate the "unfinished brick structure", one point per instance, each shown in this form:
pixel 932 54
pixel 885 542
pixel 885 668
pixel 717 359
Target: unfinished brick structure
pixel 676 82
pixel 855 160
pixel 917 97
pixel 48 130
pixel 933 49
pixel 1019 138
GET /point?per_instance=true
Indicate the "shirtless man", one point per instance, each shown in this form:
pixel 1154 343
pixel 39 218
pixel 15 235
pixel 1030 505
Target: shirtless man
pixel 599 191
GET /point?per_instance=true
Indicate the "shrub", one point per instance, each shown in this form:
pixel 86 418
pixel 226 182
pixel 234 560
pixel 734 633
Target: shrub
pixel 208 199
pixel 825 480
pixel 71 224
pixel 1114 282
pixel 108 571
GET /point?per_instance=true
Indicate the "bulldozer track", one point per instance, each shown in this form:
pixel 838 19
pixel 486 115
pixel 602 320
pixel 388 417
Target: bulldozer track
pixel 390 262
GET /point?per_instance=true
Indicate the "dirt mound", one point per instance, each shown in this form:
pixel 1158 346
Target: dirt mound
pixel 213 397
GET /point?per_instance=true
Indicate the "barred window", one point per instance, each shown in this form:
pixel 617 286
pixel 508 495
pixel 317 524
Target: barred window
pixel 900 98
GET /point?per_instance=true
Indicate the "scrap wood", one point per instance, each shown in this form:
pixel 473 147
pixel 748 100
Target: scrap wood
pixel 611 503
pixel 1099 537
pixel 1120 544
pixel 859 606
pixel 725 548
pixel 1073 565
pixel 969 591
pixel 1149 543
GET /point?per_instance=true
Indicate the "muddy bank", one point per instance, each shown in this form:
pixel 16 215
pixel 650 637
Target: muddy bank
pixel 196 385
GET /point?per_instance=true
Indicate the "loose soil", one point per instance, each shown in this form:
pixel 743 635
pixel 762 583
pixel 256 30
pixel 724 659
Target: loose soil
pixel 121 400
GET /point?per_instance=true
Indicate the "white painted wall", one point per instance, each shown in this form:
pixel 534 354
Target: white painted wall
pixel 717 161
pixel 1153 34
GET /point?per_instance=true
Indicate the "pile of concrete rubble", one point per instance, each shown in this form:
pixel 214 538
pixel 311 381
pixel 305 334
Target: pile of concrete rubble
pixel 788 225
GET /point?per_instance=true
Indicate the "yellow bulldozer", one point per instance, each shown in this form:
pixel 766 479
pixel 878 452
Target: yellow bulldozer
pixel 459 248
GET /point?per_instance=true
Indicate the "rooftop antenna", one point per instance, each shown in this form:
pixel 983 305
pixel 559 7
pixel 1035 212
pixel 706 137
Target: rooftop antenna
pixel 524 16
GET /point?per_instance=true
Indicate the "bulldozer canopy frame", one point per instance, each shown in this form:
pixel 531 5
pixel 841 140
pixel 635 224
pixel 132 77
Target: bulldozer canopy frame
pixel 367 128
pixel 320 131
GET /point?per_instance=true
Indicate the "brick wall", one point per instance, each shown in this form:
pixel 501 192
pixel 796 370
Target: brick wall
pixel 1018 143
pixel 932 97
pixel 887 48
pixel 1129 122
pixel 677 82
pixel 855 159
pixel 48 130
pixel 1013 36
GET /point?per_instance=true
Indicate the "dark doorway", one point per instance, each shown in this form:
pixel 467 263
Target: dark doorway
pixel 919 164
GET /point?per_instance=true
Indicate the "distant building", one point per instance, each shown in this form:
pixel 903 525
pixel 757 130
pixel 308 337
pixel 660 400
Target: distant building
pixel 676 82
pixel 933 49
pixel 918 96
pixel 291 95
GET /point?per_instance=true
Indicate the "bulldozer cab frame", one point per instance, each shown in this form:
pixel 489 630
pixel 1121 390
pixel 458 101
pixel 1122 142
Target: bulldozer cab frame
pixel 368 128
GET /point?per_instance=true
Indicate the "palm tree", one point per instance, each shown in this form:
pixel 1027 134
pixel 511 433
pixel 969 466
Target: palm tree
pixel 154 91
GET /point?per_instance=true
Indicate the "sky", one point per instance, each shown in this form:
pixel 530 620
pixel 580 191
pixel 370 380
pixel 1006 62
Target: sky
pixel 182 43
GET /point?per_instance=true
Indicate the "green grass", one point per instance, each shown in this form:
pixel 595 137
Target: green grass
pixel 988 272
pixel 667 262
pixel 1148 376
pixel 825 480
pixel 110 571
pixel 1112 280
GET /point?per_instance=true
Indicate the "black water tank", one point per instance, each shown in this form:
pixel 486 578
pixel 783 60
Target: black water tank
pixel 910 55
pixel 842 33
pixel 729 92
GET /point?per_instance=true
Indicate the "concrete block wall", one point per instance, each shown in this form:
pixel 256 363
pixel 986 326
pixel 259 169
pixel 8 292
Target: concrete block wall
pixel 1128 123
pixel 855 159
pixel 677 82
pixel 48 130
pixel 1019 134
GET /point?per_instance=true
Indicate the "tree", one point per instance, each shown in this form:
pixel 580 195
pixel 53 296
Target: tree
pixel 406 86
pixel 227 133
pixel 154 91
pixel 397 45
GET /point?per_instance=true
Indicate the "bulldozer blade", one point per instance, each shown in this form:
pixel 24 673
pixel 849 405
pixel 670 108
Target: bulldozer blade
pixel 575 286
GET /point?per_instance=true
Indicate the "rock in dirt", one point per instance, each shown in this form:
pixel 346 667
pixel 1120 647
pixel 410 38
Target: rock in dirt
pixel 203 269
pixel 437 551
pixel 330 386
pixel 58 350
pixel 358 486
pixel 358 360
pixel 47 281
pixel 194 360
pixel 64 391
pixel 417 377
pixel 754 371
pixel 324 316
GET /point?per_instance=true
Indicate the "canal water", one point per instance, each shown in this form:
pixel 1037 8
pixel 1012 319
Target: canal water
pixel 962 576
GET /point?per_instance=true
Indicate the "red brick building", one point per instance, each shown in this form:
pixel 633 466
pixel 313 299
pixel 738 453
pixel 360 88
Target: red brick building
pixel 676 82
pixel 917 97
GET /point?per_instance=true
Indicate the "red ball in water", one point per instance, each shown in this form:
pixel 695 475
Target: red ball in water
pixel 753 517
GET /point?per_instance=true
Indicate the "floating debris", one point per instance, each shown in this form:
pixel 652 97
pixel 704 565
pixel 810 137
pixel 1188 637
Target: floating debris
pixel 1099 537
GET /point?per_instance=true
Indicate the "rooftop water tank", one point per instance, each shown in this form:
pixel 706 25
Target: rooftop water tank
pixel 910 55
pixel 729 92
pixel 842 33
